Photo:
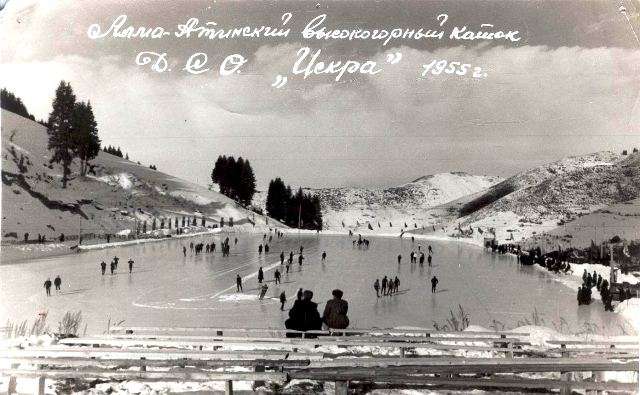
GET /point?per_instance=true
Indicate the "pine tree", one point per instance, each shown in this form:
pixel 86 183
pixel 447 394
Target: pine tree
pixel 11 102
pixel 247 187
pixel 183 221
pixel 60 129
pixel 176 226
pixel 153 225
pixel 230 221
pixel 203 222
pixel 85 134
pixel 144 227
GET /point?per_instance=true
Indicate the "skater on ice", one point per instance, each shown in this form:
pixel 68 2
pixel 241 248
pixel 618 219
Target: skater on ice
pixel 260 275
pixel 47 286
pixel 263 290
pixel 283 300
pixel 238 283
pixel 57 282
pixel 130 265
pixel 434 283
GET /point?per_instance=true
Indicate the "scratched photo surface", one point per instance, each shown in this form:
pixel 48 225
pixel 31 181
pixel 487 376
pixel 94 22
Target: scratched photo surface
pixel 163 161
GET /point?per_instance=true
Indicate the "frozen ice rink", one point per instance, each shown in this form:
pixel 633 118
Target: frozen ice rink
pixel 168 289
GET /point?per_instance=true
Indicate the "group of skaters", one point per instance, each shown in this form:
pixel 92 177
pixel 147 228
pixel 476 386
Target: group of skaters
pixel 360 242
pixel 304 315
pixel 386 287
pixel 57 282
pixel 114 265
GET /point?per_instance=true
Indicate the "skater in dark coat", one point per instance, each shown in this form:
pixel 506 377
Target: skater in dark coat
pixel 396 284
pixel 113 267
pixel 324 256
pixel 303 316
pixel 429 260
pixel 434 283
pixel 103 267
pixel 130 265
pixel 276 275
pixel 260 275
pixel 384 285
pixel 300 259
pixel 399 258
pixel 335 311
pixel 260 249
pixel 376 286
pixel 47 286
pixel 238 283
pixel 282 257
pixel 263 291
pixel 57 282
pixel 283 300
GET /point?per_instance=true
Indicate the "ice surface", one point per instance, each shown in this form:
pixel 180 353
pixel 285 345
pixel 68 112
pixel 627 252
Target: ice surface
pixel 168 289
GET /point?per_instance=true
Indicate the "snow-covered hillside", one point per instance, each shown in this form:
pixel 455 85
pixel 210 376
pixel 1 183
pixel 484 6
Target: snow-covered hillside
pixel 119 193
pixel 356 208
pixel 544 198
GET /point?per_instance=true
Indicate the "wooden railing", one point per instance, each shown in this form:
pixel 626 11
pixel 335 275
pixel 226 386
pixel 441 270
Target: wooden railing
pixel 190 354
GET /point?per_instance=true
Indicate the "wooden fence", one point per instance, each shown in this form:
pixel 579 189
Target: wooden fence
pixel 386 358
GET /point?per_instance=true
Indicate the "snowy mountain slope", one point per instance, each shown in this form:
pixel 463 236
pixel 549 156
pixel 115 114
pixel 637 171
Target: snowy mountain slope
pixel 407 203
pixel 551 195
pixel 120 192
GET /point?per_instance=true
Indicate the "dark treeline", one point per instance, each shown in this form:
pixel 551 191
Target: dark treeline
pixel 114 151
pixel 235 178
pixel 13 103
pixel 301 208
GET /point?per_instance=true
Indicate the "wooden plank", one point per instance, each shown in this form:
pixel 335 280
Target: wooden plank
pixel 416 339
pixel 172 375
pixel 160 362
pixel 428 361
pixel 284 331
pixel 468 382
pixel 286 344
pixel 594 342
pixel 136 353
pixel 462 367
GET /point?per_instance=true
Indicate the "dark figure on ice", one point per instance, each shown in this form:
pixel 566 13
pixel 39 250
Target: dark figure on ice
pixel 103 267
pixel 430 250
pixel 57 282
pixel 113 267
pixel 429 259
pixel 324 256
pixel 434 283
pixel 260 275
pixel 283 300
pixel 376 286
pixel 238 283
pixel 291 257
pixel 235 241
pixel 260 249
pixel 47 286
pixel 263 290
pixel 300 259
pixel 191 246
pixel 384 285
pixel 421 258
pixel 184 250
pixel 300 294
pixel 335 311
pixel 282 257
pixel 396 284
pixel 301 249
pixel 115 261
pixel 399 258
pixel 303 316
pixel 277 276
pixel 130 265
pixel 266 248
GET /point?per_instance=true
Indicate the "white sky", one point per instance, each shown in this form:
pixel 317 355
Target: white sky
pixel 569 87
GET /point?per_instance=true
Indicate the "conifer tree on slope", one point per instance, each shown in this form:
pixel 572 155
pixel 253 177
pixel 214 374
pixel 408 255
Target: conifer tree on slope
pixel 60 129
pixel 85 133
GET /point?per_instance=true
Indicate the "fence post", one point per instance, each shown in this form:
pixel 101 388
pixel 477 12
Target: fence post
pixel 342 388
pixel 12 380
pixel 565 376
pixel 258 383
pixel 228 387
